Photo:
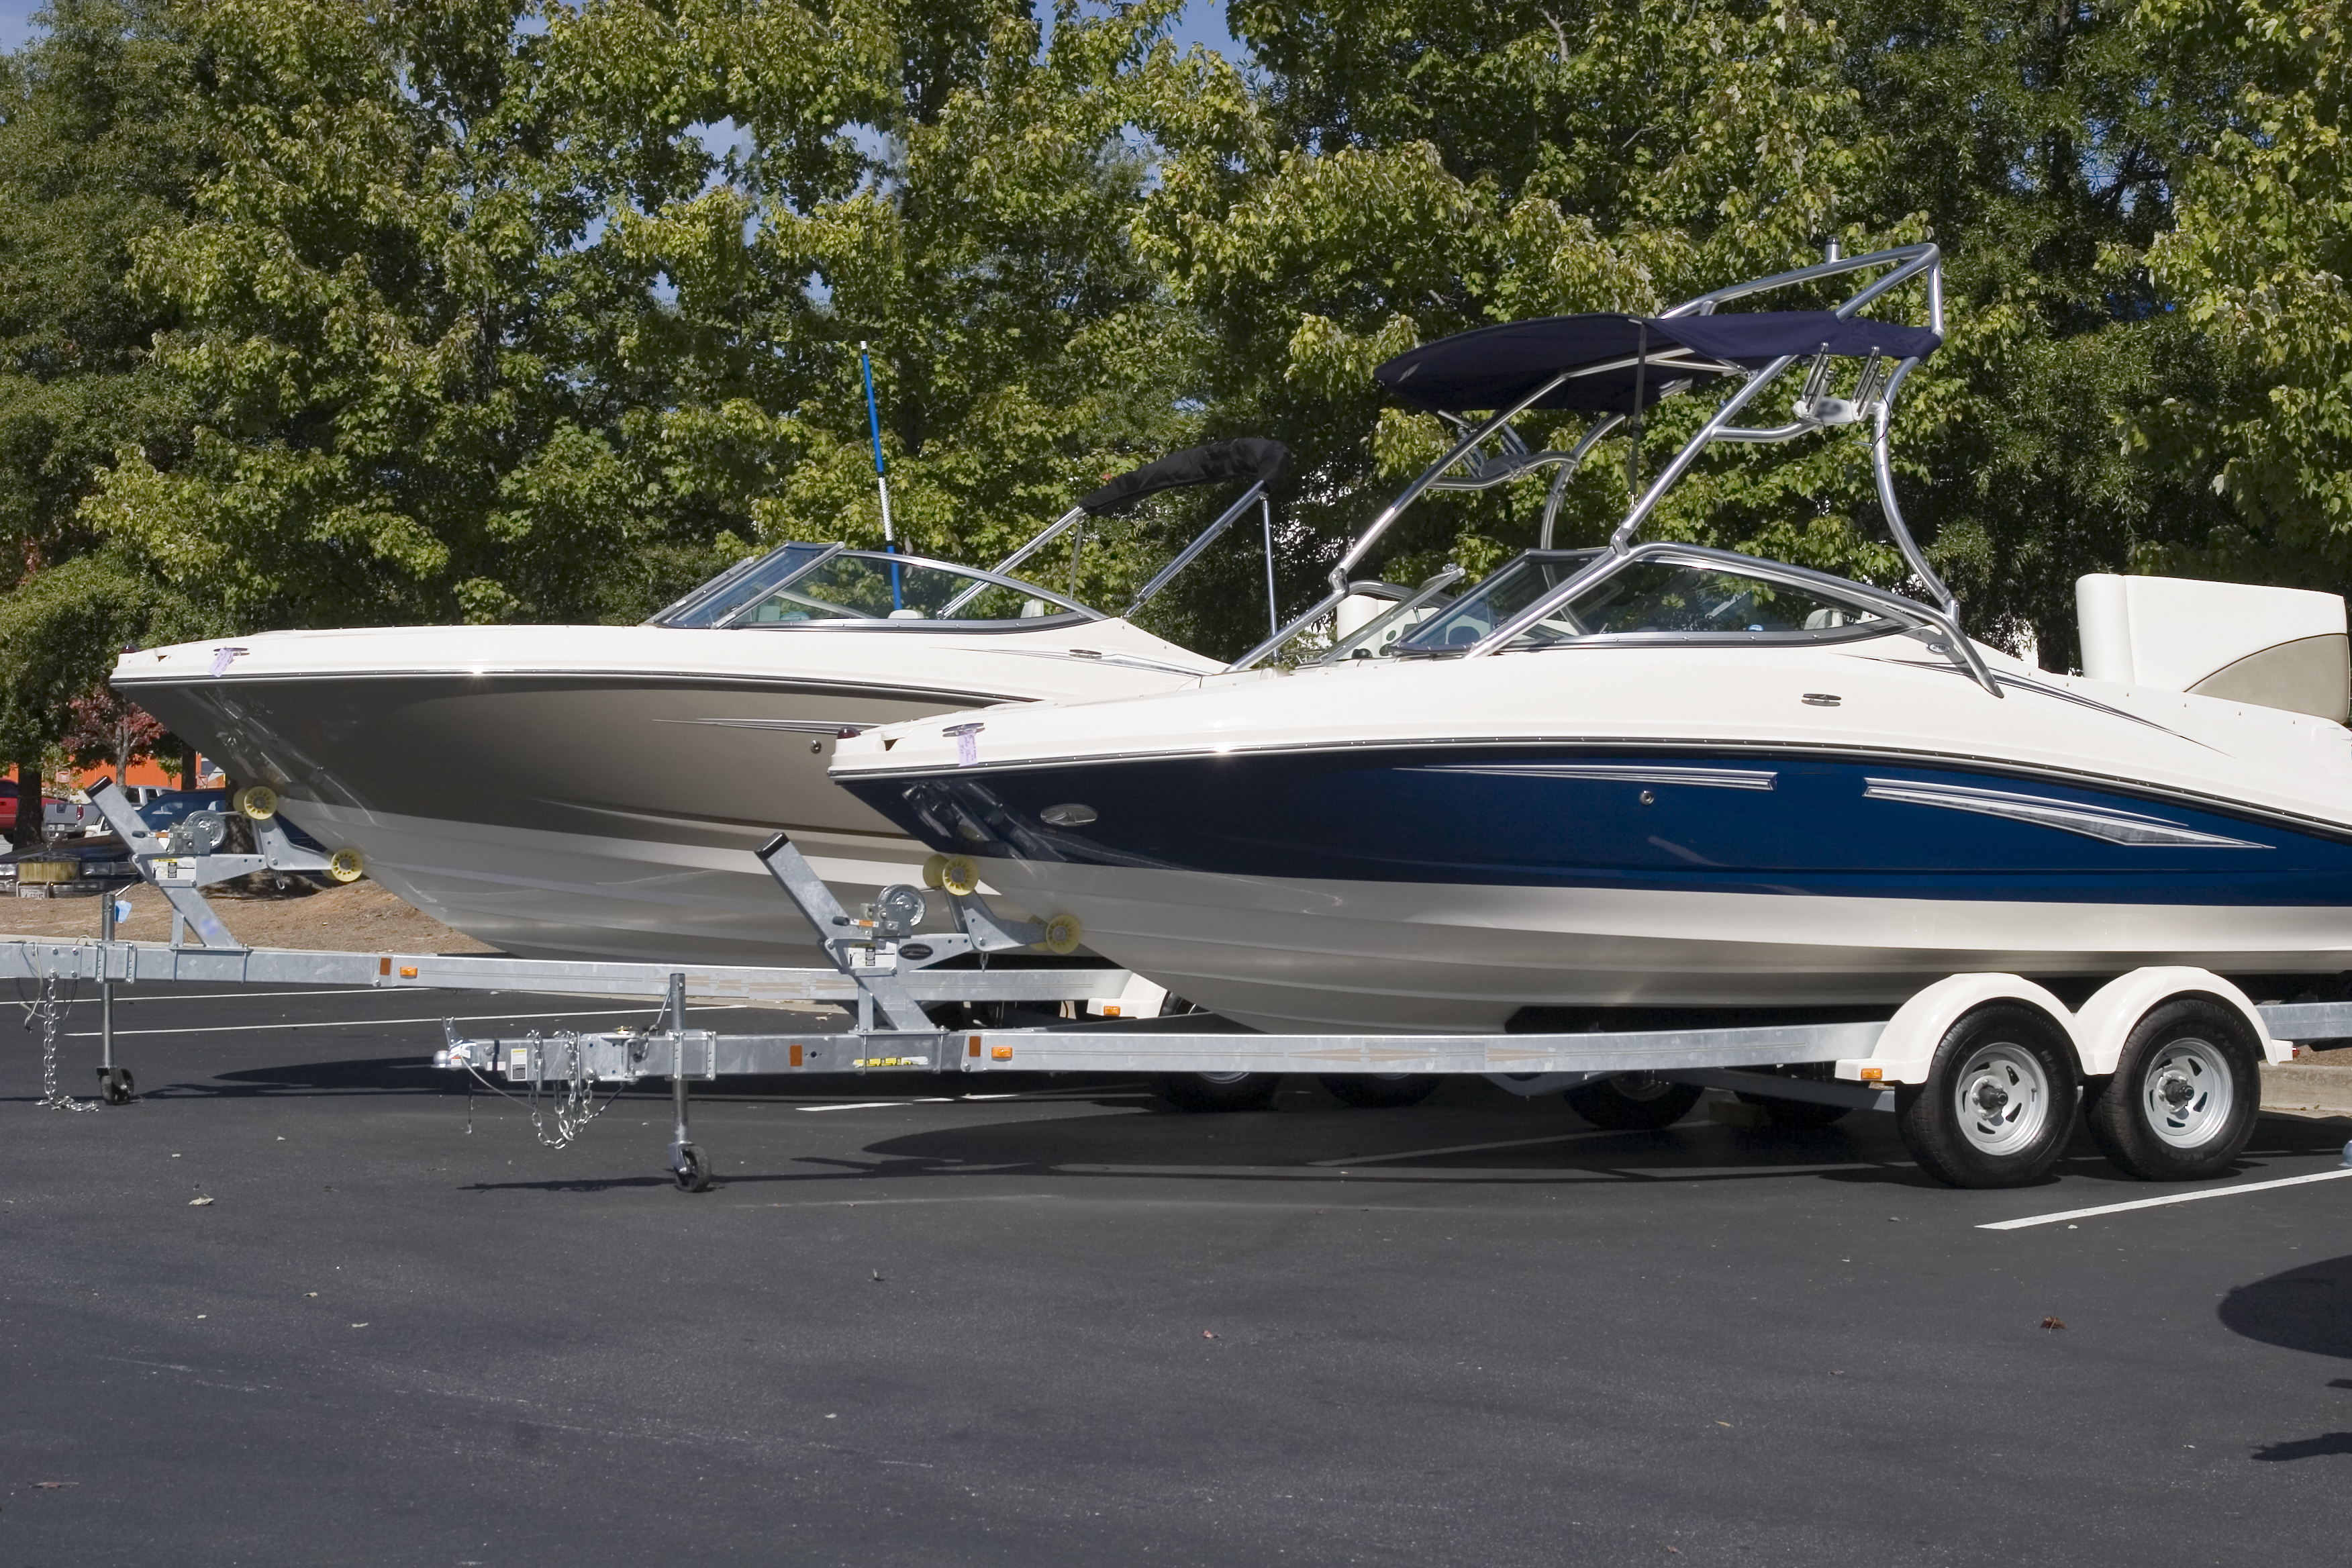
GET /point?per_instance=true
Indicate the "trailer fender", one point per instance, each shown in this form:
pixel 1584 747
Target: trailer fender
pixel 2108 1019
pixel 1908 1046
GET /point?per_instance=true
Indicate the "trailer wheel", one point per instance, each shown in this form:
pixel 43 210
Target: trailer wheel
pixel 1217 1090
pixel 693 1173
pixel 1380 1090
pixel 1998 1104
pixel 1633 1101
pixel 2186 1092
pixel 1796 1115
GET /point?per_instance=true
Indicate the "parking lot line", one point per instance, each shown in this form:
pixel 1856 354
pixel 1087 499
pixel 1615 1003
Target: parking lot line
pixel 2169 1198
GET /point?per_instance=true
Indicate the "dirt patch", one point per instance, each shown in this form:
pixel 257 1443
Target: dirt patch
pixel 360 918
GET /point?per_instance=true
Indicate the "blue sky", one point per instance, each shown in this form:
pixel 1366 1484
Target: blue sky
pixel 1202 22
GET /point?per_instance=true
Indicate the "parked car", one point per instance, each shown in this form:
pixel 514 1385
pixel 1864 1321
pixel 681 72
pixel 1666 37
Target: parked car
pixel 61 815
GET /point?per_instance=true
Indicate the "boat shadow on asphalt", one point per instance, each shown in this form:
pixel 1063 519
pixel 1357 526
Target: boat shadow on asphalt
pixel 1509 1143
pixel 2307 1308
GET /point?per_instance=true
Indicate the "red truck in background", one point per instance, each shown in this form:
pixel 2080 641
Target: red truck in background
pixel 71 816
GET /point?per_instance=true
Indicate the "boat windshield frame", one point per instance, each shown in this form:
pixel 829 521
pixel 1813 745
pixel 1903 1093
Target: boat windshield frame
pixel 1261 477
pixel 1898 614
pixel 1067 611
pixel 1814 410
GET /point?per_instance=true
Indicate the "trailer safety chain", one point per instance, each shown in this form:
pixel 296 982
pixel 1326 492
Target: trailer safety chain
pixel 574 1106
pixel 48 1009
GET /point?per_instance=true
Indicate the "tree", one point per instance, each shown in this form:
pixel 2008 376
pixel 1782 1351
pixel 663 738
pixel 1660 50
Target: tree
pixel 494 320
pixel 1413 168
pixel 99 147
pixel 110 731
pixel 2258 261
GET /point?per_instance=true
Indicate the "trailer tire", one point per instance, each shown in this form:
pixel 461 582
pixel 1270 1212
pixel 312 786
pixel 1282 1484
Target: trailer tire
pixel 2185 1095
pixel 1379 1092
pixel 1796 1115
pixel 1217 1090
pixel 1999 1099
pixel 1633 1101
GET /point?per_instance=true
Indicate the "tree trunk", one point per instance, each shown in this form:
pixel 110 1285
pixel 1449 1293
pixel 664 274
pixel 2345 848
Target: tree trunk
pixel 28 805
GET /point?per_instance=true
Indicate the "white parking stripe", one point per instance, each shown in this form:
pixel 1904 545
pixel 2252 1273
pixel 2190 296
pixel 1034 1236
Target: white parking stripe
pixel 879 1104
pixel 2230 1191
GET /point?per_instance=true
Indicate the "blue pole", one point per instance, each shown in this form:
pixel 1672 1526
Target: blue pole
pixel 881 479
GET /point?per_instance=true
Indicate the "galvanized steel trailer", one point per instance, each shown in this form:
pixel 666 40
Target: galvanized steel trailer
pixel 1985 1072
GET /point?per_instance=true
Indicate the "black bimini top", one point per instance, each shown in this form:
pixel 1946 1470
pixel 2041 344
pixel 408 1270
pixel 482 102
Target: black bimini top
pixel 1247 457
pixel 1495 367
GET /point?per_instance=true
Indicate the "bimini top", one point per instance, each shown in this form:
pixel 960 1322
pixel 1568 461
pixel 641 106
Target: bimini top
pixel 1248 457
pixel 1603 355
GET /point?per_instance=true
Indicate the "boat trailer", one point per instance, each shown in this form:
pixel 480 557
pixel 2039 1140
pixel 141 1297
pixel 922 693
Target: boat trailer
pixel 891 979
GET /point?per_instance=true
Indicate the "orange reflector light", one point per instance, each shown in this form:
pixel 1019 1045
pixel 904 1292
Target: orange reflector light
pixel 1872 1075
pixel 408 972
pixel 973 1048
pixel 1110 1010
pixel 1002 1053
pixel 796 1056
pixel 383 966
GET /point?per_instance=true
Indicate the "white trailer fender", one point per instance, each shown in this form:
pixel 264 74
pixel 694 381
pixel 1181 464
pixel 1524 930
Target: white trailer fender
pixel 2108 1019
pixel 1908 1046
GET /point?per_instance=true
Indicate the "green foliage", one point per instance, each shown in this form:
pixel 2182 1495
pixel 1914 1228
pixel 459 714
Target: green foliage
pixel 99 146
pixel 493 322
pixel 1413 168
pixel 2259 260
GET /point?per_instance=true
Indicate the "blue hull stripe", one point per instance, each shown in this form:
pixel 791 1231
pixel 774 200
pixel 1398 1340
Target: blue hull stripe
pixel 1665 820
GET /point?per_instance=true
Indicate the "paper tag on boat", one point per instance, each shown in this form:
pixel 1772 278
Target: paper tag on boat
pixel 967 738
pixel 221 657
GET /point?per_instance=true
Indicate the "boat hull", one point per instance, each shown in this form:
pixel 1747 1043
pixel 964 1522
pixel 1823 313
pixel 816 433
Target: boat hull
pixel 595 812
pixel 1451 887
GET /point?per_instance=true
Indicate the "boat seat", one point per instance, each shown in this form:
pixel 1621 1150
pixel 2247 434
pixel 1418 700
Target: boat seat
pixel 909 616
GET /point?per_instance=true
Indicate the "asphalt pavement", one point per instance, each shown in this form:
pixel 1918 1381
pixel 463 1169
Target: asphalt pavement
pixel 1071 1326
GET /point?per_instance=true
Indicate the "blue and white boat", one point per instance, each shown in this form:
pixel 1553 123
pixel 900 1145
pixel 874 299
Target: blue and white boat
pixel 1657 773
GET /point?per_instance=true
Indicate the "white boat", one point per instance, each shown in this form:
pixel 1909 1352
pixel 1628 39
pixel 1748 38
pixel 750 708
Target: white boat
pixel 1661 774
pixel 587 791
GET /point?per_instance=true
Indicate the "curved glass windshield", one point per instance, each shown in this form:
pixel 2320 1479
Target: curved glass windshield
pixel 802 584
pixel 1520 583
pixel 1666 599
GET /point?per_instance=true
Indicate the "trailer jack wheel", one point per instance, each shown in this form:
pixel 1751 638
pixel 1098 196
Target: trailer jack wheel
pixel 2185 1095
pixel 1998 1104
pixel 1633 1101
pixel 115 1086
pixel 692 1171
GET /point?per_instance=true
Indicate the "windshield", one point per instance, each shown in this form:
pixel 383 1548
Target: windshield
pixel 1521 582
pixel 737 585
pixel 1665 599
pixel 799 585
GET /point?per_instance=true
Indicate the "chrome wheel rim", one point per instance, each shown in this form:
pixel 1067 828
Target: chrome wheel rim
pixel 2002 1098
pixel 1641 1087
pixel 2187 1093
pixel 1221 1077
